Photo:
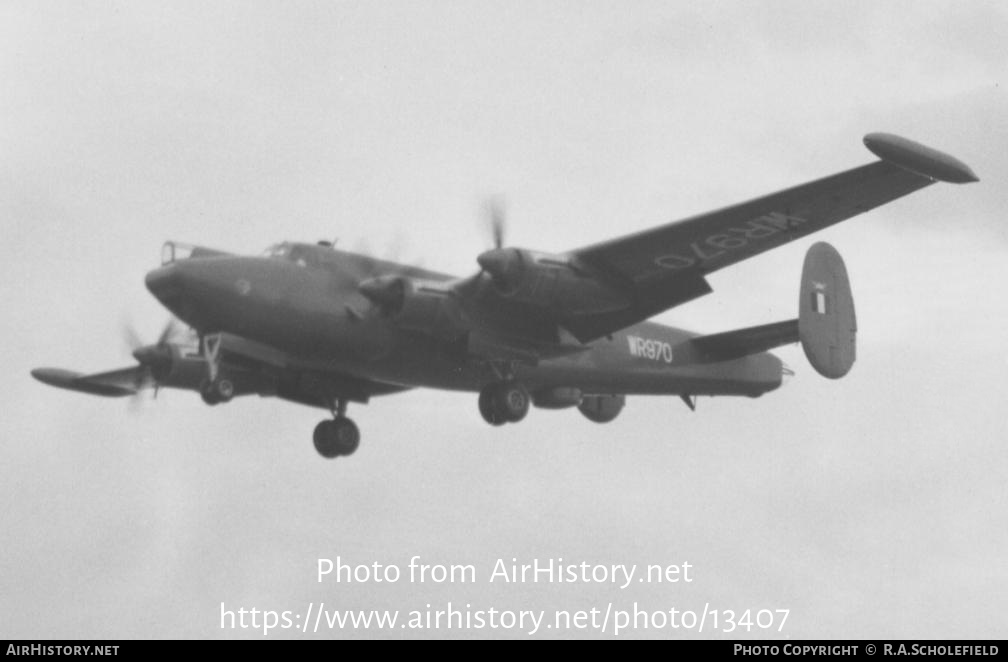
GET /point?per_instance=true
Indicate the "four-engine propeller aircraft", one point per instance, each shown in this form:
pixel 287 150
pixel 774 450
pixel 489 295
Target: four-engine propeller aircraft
pixel 324 327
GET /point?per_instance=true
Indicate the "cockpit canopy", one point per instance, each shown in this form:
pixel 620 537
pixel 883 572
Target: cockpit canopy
pixel 288 252
pixel 172 251
pixel 280 251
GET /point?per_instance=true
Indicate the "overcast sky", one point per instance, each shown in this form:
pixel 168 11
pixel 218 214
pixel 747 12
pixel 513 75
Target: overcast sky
pixel 870 507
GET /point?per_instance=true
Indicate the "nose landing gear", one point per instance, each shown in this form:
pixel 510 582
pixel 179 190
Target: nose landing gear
pixel 337 437
pixel 503 402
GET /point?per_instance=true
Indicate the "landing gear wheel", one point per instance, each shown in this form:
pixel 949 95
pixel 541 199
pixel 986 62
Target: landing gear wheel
pixel 504 402
pixel 224 388
pixel 333 438
pixel 218 390
pixel 488 410
pixel 346 434
pixel 513 401
pixel 325 440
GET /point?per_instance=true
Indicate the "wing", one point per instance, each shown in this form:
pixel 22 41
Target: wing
pixel 592 291
pixel 115 383
pixel 702 244
pixel 251 367
pixel 305 381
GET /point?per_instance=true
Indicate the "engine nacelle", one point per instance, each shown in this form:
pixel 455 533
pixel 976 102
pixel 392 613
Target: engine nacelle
pixel 168 365
pixel 185 372
pixel 602 408
pixel 417 307
pixel 548 281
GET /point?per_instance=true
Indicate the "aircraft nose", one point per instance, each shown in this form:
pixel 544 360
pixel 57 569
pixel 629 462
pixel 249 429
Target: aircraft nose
pixel 201 291
pixel 165 283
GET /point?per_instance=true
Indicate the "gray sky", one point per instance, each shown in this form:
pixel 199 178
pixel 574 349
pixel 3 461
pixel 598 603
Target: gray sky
pixel 870 507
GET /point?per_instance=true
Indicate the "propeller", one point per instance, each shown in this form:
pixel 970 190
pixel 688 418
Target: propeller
pixel 384 288
pixel 153 360
pixel 499 262
pixel 387 290
pixel 367 263
pixel 495 214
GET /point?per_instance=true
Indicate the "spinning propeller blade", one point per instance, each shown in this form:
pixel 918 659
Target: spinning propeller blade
pixel 495 213
pixel 150 358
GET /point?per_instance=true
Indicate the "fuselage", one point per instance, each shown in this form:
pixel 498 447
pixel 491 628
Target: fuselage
pixel 305 301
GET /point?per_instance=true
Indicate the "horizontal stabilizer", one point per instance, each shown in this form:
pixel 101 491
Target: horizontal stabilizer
pixel 826 321
pixel 116 383
pixel 742 342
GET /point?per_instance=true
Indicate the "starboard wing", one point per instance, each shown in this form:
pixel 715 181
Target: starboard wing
pixel 705 243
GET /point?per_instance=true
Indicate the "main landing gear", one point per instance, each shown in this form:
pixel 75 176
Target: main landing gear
pixel 504 402
pixel 215 391
pixel 336 437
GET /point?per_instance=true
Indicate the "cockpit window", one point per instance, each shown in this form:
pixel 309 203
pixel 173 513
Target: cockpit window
pixel 290 253
pixel 279 251
pixel 299 256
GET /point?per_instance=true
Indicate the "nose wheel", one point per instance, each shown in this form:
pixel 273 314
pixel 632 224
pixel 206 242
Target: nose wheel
pixel 503 402
pixel 338 436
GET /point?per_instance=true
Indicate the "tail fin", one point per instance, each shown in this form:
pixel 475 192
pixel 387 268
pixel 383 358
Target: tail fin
pixel 826 320
pixel 825 326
